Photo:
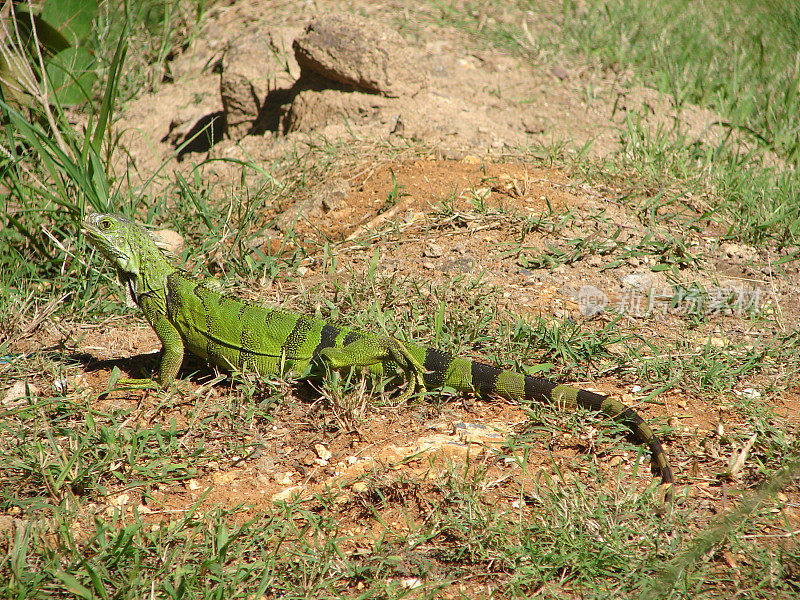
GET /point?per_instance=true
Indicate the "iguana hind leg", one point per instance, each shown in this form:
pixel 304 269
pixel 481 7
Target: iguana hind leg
pixel 370 351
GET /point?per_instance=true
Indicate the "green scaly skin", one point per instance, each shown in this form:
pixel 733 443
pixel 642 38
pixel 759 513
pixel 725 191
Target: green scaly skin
pixel 237 335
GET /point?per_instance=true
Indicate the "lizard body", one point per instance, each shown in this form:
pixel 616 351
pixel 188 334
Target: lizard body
pixel 238 335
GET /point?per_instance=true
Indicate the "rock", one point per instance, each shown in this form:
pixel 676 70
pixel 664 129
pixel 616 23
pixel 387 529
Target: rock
pixel 594 261
pixel 322 452
pixel 314 108
pixel 559 72
pixel 289 494
pixel 359 53
pixel 459 265
pixel 329 197
pixel 432 250
pixel 256 76
pixel 243 83
pixel 360 487
pixel 398 127
pixel 533 125
pixel 286 479
pixel 637 281
pixel 731 250
pixel 740 251
pixel 333 196
pixel 450 154
pixel 61 385
pixel 411 583
pixel 18 393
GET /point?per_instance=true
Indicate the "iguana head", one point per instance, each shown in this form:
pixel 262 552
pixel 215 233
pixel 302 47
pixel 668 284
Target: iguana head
pixel 140 263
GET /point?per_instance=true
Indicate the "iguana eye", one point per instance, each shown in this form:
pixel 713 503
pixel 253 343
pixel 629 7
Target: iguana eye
pixel 105 224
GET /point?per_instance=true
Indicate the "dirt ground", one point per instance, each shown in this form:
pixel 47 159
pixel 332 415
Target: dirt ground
pixel 286 459
pixel 477 100
pixel 460 141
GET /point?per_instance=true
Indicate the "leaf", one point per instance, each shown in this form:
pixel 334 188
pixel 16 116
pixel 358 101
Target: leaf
pixel 738 459
pixel 107 106
pixel 73 586
pixel 536 370
pixel 71 75
pixel 73 18
pixel 48 36
pixel 11 85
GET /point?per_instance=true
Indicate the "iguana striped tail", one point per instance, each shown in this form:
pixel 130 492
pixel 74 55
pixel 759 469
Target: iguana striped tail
pixel 488 380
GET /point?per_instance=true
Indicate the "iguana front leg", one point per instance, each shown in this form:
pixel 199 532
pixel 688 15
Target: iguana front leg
pixel 171 357
pixel 369 351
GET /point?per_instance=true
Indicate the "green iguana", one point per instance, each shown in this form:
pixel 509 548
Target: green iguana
pixel 233 334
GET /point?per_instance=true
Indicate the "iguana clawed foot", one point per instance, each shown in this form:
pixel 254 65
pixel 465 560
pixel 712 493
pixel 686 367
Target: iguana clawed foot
pixel 368 352
pixel 413 370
